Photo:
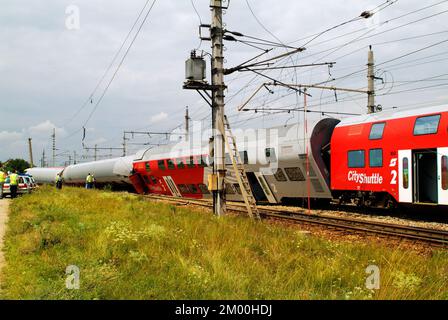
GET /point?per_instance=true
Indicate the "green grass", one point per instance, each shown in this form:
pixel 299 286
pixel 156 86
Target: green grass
pixel 129 248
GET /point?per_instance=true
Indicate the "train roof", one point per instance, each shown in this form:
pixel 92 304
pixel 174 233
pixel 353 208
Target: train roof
pixel 392 114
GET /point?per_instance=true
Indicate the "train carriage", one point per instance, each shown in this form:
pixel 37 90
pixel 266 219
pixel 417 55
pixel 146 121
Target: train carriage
pixel 392 157
pixel 275 163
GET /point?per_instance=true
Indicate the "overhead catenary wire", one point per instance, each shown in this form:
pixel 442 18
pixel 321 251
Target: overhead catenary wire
pixel 92 94
pixel 116 70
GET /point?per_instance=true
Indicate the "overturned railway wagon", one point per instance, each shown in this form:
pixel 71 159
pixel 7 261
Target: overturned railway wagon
pixel 276 162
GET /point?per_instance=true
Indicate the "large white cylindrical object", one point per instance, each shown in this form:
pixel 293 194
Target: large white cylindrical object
pixel 44 175
pixel 110 171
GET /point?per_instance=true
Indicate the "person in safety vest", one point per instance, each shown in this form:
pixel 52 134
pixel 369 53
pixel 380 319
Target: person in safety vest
pixel 13 183
pixel 2 182
pixel 89 181
pixel 58 181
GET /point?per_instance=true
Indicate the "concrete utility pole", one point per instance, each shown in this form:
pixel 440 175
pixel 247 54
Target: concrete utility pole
pixel 370 82
pixel 74 157
pixel 187 125
pixel 53 136
pixel 219 168
pixel 30 147
pixel 96 152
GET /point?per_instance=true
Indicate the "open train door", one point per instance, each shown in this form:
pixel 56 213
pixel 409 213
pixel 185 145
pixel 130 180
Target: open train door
pixel 442 175
pixel 405 181
pixel 138 183
pixel 265 186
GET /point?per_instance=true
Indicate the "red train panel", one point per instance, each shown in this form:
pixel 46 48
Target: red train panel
pixel 401 154
pixel 181 176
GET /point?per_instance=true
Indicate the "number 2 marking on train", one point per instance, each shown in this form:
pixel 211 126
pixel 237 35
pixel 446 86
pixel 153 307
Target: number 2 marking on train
pixel 394 177
pixel 393 163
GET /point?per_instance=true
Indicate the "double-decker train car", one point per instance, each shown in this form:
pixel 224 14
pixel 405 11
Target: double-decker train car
pixel 276 167
pixel 393 157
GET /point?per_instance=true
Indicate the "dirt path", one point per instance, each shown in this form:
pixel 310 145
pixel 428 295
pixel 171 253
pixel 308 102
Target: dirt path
pixel 4 205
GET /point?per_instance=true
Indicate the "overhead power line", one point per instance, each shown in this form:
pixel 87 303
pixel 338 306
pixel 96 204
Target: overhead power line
pixel 116 71
pixel 92 94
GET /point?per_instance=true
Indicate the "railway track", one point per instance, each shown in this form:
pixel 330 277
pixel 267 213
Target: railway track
pixel 432 236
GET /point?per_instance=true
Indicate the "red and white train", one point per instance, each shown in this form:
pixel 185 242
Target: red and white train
pixel 377 160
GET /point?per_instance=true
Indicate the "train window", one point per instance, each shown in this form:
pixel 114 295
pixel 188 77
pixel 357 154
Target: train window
pixel 229 188
pixel 295 174
pixel 153 179
pixel 376 158
pixel 183 188
pixel 237 188
pixel 444 172
pixel 243 156
pixel 170 163
pixel 426 125
pixel 161 164
pixel 180 163
pixel 270 154
pixel 190 162
pixel 356 159
pixel 376 131
pixel 405 173
pixel 203 188
pixel 147 166
pixel 193 188
pixel 279 175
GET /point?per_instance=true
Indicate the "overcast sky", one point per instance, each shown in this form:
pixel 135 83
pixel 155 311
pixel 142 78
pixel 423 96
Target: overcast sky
pixel 48 68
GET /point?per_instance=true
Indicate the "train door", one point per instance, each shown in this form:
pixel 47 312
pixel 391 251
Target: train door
pixel 138 183
pixel 442 175
pixel 257 190
pixel 405 185
pixel 172 186
pixel 265 186
pixel 425 176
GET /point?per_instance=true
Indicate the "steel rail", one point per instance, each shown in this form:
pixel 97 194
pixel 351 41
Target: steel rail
pixel 434 236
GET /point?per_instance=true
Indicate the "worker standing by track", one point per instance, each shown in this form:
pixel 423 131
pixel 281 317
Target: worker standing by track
pixel 13 183
pixel 58 181
pixel 89 181
pixel 2 182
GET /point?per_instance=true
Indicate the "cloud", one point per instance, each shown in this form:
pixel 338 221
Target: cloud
pixel 10 137
pixel 46 128
pixel 159 117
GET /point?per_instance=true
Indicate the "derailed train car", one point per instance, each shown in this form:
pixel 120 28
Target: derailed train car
pixel 44 175
pixel 112 172
pixel 276 162
pixel 380 160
